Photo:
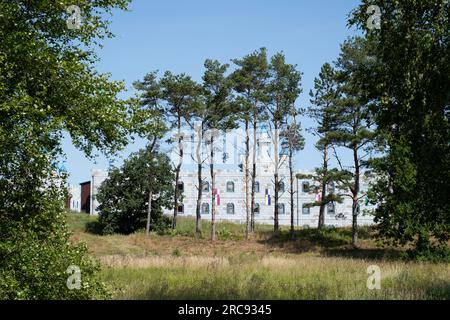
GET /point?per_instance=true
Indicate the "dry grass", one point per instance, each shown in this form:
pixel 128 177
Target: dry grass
pixel 313 266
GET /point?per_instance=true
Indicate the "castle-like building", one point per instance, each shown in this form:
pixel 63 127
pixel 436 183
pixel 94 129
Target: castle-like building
pixel 230 186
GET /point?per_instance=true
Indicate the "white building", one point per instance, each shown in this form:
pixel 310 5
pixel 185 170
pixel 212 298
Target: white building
pixel 230 182
pixel 74 201
pixel 97 177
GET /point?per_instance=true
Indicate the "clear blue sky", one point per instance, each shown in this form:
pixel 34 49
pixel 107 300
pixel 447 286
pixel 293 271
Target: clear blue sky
pixel 178 35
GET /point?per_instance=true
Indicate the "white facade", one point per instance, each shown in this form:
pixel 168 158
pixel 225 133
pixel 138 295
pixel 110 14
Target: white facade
pixel 97 177
pixel 230 183
pixel 74 201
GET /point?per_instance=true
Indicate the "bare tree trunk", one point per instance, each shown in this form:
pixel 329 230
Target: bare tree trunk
pixel 324 190
pixel 213 195
pixel 150 193
pixel 252 210
pixel 149 212
pixel 198 222
pixel 276 225
pixel 291 184
pixel 355 206
pixel 248 228
pixel 177 174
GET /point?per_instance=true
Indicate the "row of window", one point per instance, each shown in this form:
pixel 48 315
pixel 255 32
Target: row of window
pixel 306 187
pixel 281 209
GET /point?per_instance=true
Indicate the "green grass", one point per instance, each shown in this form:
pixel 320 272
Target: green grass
pixel 314 265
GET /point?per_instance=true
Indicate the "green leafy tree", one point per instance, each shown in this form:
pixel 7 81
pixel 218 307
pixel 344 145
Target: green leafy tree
pixel 410 89
pixel 49 87
pixel 123 196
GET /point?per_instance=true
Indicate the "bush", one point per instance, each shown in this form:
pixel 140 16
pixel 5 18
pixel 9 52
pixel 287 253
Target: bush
pixel 35 268
pixel 123 197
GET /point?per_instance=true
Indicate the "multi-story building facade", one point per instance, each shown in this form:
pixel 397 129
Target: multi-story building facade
pixel 230 187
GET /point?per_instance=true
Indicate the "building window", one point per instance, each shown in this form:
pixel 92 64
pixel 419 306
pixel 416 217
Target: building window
pixel 305 186
pixel 230 208
pixel 205 208
pixel 180 209
pixel 257 208
pixel 281 208
pixel 257 187
pixel 330 187
pixel 281 187
pixel 230 186
pixel 306 210
pixel 331 208
pixel 180 186
pixel 205 186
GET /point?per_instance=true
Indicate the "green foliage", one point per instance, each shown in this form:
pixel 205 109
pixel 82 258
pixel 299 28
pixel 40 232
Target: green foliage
pixel 123 197
pixel 411 97
pixel 35 268
pixel 49 87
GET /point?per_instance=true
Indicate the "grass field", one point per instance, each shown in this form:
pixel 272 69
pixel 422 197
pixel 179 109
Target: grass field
pixel 315 265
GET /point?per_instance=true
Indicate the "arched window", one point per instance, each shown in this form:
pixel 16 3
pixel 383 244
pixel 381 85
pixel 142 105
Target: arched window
pixel 230 186
pixel 281 189
pixel 281 208
pixel 257 187
pixel 306 210
pixel 331 208
pixel 205 186
pixel 257 209
pixel 330 187
pixel 230 208
pixel 180 209
pixel 305 186
pixel 181 186
pixel 205 208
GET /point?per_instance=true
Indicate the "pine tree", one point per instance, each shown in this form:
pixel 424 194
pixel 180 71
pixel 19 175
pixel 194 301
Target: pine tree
pixel 219 116
pixel 282 90
pixel 323 110
pixel 250 82
pixel 352 119
pixel 292 141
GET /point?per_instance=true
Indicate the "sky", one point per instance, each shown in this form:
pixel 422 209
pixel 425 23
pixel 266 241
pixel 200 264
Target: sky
pixel 179 35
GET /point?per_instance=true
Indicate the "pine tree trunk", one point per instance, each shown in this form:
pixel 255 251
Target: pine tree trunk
pixel 291 184
pixel 198 222
pixel 247 180
pixel 177 174
pixel 324 190
pixel 355 206
pixel 213 195
pixel 149 212
pixel 276 224
pixel 252 209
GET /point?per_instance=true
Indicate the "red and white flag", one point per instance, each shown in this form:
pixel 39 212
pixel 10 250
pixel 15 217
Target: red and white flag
pixel 216 192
